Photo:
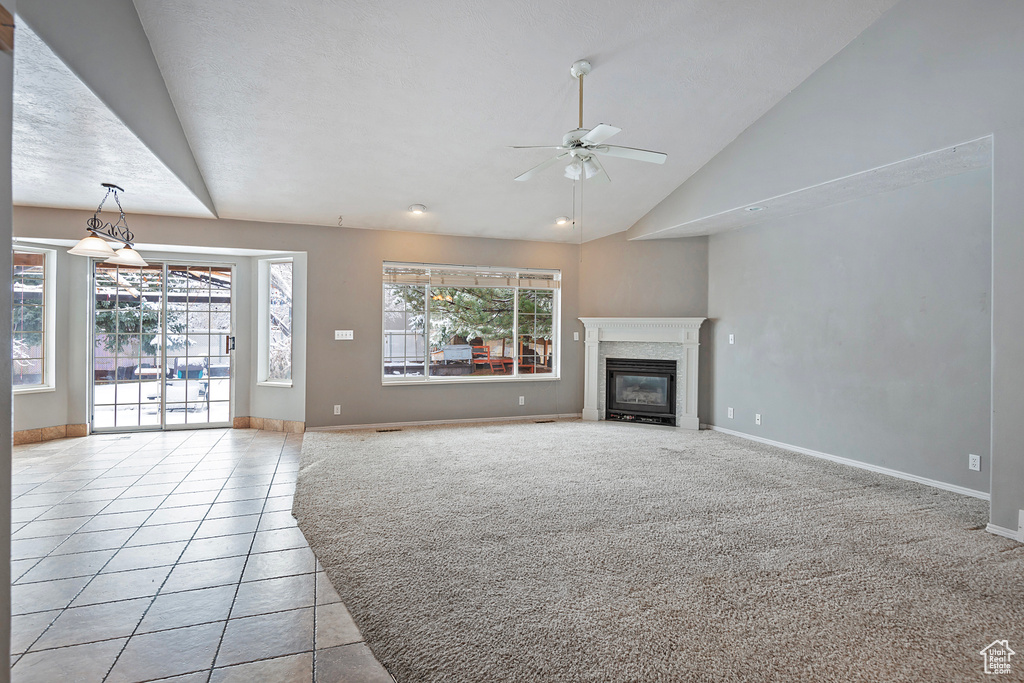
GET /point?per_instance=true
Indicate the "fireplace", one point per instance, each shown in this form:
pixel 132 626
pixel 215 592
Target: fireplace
pixel 641 390
pixel 677 339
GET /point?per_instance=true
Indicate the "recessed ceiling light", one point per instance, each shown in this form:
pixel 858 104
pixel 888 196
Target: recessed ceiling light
pixel 755 208
pixel 417 208
pixel 561 220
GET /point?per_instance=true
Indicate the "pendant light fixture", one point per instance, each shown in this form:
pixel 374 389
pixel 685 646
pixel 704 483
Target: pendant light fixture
pixel 97 242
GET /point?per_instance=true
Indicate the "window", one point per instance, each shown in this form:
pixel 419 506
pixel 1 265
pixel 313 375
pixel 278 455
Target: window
pixel 32 318
pixel 276 321
pixel 446 323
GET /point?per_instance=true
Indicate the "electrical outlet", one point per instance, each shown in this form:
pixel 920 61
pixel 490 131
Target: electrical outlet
pixel 730 413
pixel 343 335
pixel 974 462
pixel 575 336
pixel 337 410
pixel 522 400
pixel 732 339
pixel 757 418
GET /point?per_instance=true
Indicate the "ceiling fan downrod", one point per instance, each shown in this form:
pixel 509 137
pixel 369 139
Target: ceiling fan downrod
pixel 579 69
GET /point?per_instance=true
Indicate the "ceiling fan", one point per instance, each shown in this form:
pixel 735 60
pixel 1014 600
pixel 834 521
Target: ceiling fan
pixel 581 146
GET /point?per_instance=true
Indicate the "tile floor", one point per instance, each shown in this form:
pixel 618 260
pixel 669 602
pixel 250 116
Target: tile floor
pixel 171 556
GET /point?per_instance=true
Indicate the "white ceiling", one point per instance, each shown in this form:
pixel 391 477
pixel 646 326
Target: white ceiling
pixel 300 112
pixel 66 142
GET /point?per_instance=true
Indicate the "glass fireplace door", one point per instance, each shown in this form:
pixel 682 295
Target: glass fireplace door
pixel 651 392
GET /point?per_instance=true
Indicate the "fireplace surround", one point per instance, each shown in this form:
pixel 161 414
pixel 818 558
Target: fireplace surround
pixel 642 338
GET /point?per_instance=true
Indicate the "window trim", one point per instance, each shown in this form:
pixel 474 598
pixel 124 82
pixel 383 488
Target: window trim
pixel 49 320
pixel 263 324
pixel 553 276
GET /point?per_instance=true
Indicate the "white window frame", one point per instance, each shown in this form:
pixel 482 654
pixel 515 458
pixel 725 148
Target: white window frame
pixel 519 275
pixel 263 323
pixel 49 320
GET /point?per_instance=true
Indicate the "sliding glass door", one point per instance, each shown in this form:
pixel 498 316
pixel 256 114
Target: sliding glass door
pixel 160 346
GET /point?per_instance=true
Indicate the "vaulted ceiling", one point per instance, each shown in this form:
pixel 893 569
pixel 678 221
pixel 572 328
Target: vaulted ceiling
pixel 306 111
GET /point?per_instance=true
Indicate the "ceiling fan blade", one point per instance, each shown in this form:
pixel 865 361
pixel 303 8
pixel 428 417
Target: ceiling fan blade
pixel 541 166
pixel 632 153
pixel 535 147
pixel 599 134
pixel 601 177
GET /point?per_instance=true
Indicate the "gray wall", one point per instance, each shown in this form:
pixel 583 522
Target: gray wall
pixel 927 75
pixel 620 278
pixel 6 100
pixel 862 330
pixel 344 292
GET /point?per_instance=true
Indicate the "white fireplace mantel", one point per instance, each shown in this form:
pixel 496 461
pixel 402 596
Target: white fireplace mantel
pixel 684 331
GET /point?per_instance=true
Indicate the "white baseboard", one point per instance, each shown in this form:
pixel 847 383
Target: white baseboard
pixel 1002 531
pixel 425 423
pixel 962 490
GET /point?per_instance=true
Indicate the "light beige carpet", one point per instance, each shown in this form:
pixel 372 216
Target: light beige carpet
pixel 577 551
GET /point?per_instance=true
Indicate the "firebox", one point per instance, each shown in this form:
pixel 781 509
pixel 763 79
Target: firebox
pixel 641 390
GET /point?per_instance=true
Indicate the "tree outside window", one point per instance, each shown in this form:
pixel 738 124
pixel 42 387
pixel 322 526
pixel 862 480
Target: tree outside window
pixel 28 319
pixel 470 331
pixel 279 363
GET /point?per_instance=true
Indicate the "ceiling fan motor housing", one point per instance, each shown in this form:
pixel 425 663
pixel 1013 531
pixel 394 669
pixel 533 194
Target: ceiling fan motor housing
pixel 572 138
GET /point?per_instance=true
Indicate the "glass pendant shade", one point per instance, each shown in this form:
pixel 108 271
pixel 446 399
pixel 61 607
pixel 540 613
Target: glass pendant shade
pixel 92 246
pixel 126 256
pixel 590 168
pixel 574 170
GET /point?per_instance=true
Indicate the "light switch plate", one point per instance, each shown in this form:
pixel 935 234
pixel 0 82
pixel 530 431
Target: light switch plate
pixel 343 335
